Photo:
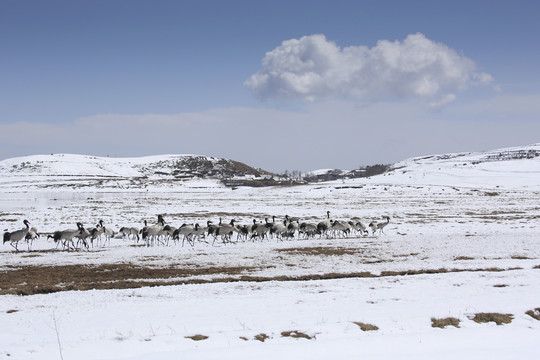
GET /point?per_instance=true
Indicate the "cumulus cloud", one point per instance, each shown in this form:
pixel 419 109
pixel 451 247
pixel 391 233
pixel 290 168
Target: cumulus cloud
pixel 312 68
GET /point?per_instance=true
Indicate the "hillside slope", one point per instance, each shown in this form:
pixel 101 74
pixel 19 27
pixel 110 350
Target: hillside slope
pixel 513 168
pixel 152 172
pixel 516 167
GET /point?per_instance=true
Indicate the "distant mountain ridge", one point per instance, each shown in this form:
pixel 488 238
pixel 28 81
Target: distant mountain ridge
pixel 509 167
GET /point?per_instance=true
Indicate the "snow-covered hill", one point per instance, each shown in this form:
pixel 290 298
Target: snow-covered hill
pixel 517 167
pixel 152 172
pixel 512 168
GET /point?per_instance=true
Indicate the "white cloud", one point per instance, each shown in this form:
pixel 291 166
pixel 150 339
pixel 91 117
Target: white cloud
pixel 312 68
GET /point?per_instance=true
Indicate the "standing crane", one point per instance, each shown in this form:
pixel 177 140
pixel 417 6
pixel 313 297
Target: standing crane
pixel 16 236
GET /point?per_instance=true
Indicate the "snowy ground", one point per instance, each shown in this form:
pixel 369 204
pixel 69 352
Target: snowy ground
pixel 449 251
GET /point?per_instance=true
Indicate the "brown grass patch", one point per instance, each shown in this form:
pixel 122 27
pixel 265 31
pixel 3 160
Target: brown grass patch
pixel 497 318
pixel 319 251
pixel 370 262
pixel 463 258
pixel 442 323
pixel 366 327
pixel 296 334
pixel 535 313
pixel 328 276
pixel 500 285
pixel 30 280
pixel 197 337
pixel 261 337
pixel 11 311
pixel 518 257
pixel 414 272
pixel 441 271
pixel 405 255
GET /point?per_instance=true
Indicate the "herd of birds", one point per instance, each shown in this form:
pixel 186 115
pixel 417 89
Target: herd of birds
pixel 162 233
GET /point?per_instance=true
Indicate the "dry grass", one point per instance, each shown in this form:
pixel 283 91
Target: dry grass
pixel 30 280
pixel 497 318
pixel 261 337
pixel 442 323
pixel 197 337
pixel 463 258
pixel 296 334
pixel 366 327
pixel 319 251
pixel 11 311
pixel 442 271
pixel 519 257
pixel 535 313
pixel 405 255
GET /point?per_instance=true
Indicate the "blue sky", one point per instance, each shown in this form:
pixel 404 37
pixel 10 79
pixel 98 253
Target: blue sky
pixel 133 78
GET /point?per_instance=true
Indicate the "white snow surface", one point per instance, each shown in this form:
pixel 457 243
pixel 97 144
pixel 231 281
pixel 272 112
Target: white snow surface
pixel 475 217
pixel 496 168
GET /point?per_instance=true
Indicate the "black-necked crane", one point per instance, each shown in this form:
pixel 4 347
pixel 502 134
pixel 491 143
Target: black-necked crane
pixel 151 233
pixel 278 229
pixel 31 236
pixel 292 227
pixel 198 232
pixel 15 236
pixel 356 224
pixel 379 226
pixel 225 231
pixel 324 225
pixel 66 236
pixel 341 227
pixel 211 228
pixel 129 232
pixel 259 230
pixel 186 231
pixel 82 236
pixel 108 232
pixel 308 229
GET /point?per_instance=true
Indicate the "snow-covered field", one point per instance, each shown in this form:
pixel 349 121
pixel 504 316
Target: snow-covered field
pixel 463 239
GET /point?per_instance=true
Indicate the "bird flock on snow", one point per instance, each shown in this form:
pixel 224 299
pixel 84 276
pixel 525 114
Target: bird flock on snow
pixel 162 233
